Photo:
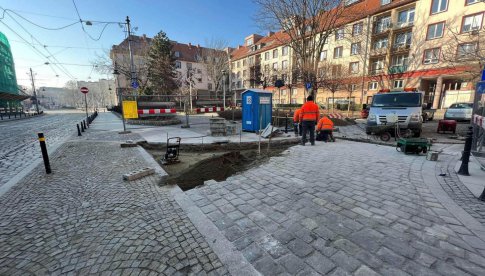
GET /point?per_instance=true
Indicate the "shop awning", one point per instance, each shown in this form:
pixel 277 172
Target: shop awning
pixel 12 97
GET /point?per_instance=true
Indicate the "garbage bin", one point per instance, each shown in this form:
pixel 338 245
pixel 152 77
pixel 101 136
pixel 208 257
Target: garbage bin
pixel 257 108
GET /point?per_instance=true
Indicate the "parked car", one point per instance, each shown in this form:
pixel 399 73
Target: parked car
pixel 459 112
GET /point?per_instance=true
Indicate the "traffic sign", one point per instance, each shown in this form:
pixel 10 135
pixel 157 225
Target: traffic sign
pixel 480 87
pixel 84 90
pixel 134 84
pixel 308 85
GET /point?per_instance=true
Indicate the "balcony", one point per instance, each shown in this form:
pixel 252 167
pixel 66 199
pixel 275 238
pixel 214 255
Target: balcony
pixel 378 51
pixel 399 48
pixel 375 72
pixel 381 29
pixel 398 69
pixel 403 25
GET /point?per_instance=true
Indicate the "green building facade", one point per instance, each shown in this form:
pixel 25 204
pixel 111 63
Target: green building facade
pixel 9 91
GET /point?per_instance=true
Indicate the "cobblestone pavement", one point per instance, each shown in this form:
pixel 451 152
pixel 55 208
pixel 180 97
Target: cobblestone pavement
pixel 457 190
pixel 340 208
pixel 20 146
pixel 84 219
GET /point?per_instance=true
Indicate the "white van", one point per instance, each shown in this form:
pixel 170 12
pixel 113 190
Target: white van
pixel 406 105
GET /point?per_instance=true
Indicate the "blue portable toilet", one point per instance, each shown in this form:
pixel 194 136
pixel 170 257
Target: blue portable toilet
pixel 254 103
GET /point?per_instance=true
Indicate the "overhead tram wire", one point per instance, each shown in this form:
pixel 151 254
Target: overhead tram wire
pixel 47 50
pixel 59 46
pixel 33 47
pixel 6 11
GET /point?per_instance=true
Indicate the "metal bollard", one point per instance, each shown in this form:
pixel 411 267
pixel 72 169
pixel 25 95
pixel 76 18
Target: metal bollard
pixel 84 123
pixel 466 153
pixel 45 156
pixel 78 130
pixel 82 127
pixel 286 123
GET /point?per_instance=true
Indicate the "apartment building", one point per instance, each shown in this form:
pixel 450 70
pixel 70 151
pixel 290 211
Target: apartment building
pixel 188 64
pixel 431 45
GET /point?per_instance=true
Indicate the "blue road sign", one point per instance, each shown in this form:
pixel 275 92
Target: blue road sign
pixel 480 87
pixel 483 74
pixel 134 84
pixel 308 85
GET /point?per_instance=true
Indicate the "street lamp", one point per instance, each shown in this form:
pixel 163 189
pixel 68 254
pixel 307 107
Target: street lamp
pixel 224 89
pixel 118 92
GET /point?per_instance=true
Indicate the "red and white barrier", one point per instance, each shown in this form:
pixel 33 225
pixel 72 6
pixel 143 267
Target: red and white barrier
pixel 479 121
pixel 335 116
pixel 156 111
pixel 209 109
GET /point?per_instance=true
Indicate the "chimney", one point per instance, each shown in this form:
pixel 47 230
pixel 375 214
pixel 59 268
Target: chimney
pixel 190 45
pixel 270 34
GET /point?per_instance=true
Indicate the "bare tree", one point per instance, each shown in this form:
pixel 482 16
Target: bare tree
pixel 307 25
pixel 215 58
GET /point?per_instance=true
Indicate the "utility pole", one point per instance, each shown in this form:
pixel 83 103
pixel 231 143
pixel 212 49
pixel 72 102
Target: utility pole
pixel 132 65
pixel 35 94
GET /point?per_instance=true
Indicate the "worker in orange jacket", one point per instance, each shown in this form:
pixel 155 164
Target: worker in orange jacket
pixel 325 130
pixel 296 122
pixel 309 116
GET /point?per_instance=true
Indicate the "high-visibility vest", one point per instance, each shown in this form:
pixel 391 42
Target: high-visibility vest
pixel 296 116
pixel 325 123
pixel 309 112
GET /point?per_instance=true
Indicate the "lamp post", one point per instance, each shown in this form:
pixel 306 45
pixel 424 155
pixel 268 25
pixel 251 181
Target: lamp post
pixel 35 94
pixel 224 89
pixel 120 100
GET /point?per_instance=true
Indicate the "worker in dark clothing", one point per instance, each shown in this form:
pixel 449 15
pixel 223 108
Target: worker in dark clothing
pixel 309 116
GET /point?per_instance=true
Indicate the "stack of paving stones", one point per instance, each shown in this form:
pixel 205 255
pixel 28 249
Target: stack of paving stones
pixel 340 209
pixel 84 219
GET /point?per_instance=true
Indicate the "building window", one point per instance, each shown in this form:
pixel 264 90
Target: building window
pixel 350 2
pixel 284 64
pixel 336 70
pixel 355 48
pixel 435 30
pixel 438 6
pixel 238 64
pixel 357 28
pixel 283 92
pixel 239 84
pixel 251 61
pixel 209 86
pixel 376 66
pixel 178 64
pixel 339 34
pixel 249 42
pixel 373 85
pixel 385 2
pixel 382 24
pixel 189 66
pixel 354 67
pixel 275 66
pixel 323 55
pixel 244 62
pixel 275 53
pixel 238 75
pixel 403 39
pixel 472 23
pixel 199 80
pixel 285 51
pixel 381 43
pixel 337 52
pixel 431 56
pixel 400 61
pixel 177 54
pixel 245 73
pixel 398 83
pixel 405 17
pixel 352 87
pixel 469 2
pixel 266 56
pixel 467 50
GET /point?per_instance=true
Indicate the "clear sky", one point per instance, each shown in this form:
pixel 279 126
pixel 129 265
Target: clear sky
pixel 195 21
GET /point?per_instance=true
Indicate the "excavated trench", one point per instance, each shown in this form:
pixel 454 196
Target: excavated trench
pixel 213 162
